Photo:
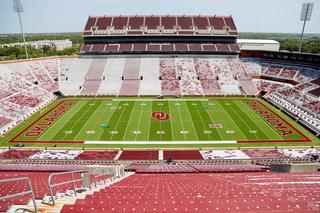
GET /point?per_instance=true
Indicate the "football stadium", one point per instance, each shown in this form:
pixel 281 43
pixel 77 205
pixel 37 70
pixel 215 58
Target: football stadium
pixel 161 113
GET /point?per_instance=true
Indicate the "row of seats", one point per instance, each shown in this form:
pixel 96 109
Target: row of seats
pixel 160 47
pixel 193 168
pixel 176 155
pixel 205 192
pixel 137 25
pixel 39 182
pixel 300 105
pixel 40 167
pixel 269 86
pixel 25 87
pixel 23 92
pixel 297 72
pixel 180 76
pixel 289 72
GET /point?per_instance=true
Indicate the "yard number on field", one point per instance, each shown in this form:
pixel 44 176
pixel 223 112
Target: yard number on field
pixel 91 132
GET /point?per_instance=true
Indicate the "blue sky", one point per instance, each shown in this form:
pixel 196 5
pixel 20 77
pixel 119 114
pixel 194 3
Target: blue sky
pixel 41 16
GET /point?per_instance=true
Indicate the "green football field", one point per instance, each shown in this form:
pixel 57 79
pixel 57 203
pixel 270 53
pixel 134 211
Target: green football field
pixel 168 121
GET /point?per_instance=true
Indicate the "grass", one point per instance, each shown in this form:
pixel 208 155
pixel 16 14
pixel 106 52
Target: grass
pixel 192 123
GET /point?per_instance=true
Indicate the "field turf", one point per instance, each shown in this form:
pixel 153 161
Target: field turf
pixel 168 121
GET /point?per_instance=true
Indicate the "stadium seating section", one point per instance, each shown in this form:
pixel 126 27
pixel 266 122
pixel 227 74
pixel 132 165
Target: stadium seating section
pixel 39 182
pixel 159 25
pixel 205 193
pixel 196 185
pixel 25 87
pixel 161 47
pixel 166 154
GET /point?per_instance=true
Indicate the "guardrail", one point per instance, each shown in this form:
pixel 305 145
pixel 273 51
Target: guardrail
pixel 99 172
pixel 114 171
pixel 21 193
pixel 73 181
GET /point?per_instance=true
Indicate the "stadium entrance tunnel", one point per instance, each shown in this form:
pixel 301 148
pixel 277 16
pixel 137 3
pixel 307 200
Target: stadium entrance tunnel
pixel 59 94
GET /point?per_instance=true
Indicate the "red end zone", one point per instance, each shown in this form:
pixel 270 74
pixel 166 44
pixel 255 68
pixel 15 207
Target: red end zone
pixel 56 112
pixel 305 138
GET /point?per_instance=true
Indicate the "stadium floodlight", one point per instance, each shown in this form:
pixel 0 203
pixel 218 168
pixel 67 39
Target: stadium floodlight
pixel 17 7
pixel 306 13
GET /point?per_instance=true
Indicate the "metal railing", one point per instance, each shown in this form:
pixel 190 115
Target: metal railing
pixel 100 172
pixel 21 193
pixel 114 171
pixel 73 181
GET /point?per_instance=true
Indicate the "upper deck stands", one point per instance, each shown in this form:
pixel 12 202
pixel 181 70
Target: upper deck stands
pixel 161 47
pixel 137 25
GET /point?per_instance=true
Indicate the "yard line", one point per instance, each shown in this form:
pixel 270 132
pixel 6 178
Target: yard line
pixel 125 106
pixel 171 123
pixel 260 120
pixel 132 122
pixel 55 128
pixel 218 114
pixel 225 121
pixel 109 117
pixel 135 138
pixel 245 123
pixel 98 110
pixel 106 134
pixel 164 124
pixel 154 125
pixel 211 120
pixel 84 114
pixel 204 126
pixel 70 122
pixel 262 133
pixel 149 126
pixel 233 120
pixel 160 124
pixel 181 122
pixel 125 131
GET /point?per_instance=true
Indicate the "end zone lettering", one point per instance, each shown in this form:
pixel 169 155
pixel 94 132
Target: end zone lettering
pixel 46 122
pixel 271 119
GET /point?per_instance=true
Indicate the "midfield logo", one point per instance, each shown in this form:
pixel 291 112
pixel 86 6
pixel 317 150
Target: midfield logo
pixel 161 116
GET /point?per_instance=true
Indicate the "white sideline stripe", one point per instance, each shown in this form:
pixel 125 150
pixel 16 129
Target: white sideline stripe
pixel 159 142
pixel 142 100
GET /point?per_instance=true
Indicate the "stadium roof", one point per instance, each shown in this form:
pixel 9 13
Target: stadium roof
pixel 257 41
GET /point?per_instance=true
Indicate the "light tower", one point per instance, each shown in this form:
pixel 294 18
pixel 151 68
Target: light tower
pixel 306 13
pixel 17 7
